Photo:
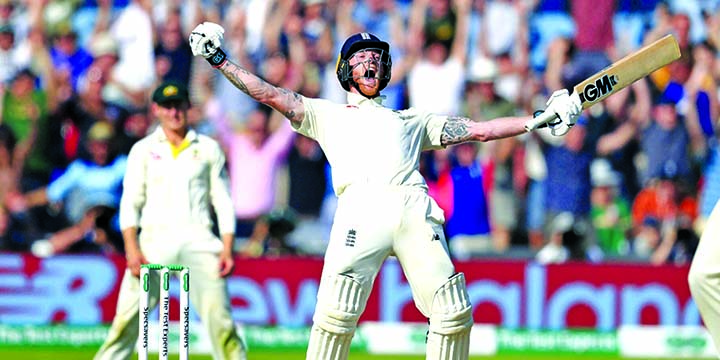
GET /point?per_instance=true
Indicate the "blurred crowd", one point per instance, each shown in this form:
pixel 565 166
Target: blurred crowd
pixel 633 180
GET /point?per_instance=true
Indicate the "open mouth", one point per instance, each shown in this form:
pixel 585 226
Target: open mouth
pixel 370 73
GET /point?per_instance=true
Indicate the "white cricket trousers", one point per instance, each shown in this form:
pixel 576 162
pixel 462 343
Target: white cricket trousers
pixel 704 276
pixel 208 295
pixel 374 222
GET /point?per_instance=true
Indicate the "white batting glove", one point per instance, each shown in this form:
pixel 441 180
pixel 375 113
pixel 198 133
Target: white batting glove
pixel 567 108
pixel 206 40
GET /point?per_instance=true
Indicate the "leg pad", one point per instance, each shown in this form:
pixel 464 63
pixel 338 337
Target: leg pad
pixel 340 302
pixel 450 322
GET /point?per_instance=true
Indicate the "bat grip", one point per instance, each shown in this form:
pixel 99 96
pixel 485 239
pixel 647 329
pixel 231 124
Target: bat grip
pixel 541 119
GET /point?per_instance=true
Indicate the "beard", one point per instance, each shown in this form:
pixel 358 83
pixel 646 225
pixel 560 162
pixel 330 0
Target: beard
pixel 368 82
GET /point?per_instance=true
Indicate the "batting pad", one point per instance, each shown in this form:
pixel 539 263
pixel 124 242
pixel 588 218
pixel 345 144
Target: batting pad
pixel 450 322
pixel 341 300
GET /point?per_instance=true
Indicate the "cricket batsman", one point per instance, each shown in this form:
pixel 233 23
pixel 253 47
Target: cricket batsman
pixel 383 205
pixel 704 276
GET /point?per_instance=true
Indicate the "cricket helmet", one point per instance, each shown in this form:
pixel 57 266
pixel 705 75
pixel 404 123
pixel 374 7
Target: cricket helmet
pixel 355 43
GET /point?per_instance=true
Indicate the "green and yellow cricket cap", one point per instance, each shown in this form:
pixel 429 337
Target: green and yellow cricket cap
pixel 171 91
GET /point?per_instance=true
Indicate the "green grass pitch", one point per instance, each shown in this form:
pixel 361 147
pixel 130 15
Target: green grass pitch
pixel 85 353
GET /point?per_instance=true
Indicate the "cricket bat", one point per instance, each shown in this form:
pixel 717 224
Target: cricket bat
pixel 619 75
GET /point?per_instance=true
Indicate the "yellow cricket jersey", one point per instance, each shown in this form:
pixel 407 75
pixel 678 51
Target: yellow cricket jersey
pixel 173 188
pixel 367 143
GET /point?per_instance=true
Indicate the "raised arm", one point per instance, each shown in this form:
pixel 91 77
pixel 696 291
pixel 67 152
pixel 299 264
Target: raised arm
pixel 287 102
pixel 205 41
pixel 459 129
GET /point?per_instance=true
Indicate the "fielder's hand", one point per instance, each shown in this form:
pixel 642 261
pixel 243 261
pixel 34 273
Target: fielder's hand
pixel 135 258
pixel 567 108
pixel 205 40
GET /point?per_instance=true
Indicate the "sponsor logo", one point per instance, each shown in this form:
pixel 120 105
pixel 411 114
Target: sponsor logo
pixel 170 90
pixel 186 327
pixel 145 315
pixel 81 289
pixel 601 87
pixel 165 325
pixel 351 237
pixel 218 58
pixel 680 342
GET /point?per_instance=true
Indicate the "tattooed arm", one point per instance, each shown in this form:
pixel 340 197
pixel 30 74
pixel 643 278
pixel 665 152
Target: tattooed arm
pixel 287 102
pixel 461 129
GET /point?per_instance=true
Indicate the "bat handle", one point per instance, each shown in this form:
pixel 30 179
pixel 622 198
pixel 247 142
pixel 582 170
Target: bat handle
pixel 541 119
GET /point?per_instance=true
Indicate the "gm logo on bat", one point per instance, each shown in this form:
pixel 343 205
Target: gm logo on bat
pixel 599 88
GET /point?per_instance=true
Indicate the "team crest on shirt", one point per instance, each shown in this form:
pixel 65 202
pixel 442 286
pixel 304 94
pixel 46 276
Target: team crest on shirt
pixel 155 156
pixel 196 154
pixel 351 237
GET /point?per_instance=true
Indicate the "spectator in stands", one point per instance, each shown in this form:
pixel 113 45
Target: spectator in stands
pixel 568 186
pixel 468 228
pixel 566 241
pixel 255 155
pixel 594 42
pixel 665 142
pixel 216 92
pixel 647 237
pixel 89 191
pixel 666 200
pixel 443 59
pixel 11 13
pixel 610 213
pixel 270 236
pixel 16 233
pixel 9 168
pixel 24 110
pixel 67 54
pixel 660 244
pixel 94 17
pixel 663 200
pixel 173 58
pixel 74 118
pixel 105 56
pixel 501 27
pixel 285 52
pixel 134 74
pixel 134 127
pixel 307 175
pixel 483 103
pixel 11 60
pixel 436 170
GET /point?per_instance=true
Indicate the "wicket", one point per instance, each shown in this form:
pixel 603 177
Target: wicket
pixel 164 309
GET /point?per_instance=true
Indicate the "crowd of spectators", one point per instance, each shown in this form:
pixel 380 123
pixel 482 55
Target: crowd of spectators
pixel 635 178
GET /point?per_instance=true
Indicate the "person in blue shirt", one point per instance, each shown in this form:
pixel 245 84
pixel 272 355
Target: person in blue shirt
pixel 68 55
pixel 468 228
pixel 89 191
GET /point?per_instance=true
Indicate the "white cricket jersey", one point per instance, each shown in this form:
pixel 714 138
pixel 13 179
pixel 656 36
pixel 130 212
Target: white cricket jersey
pixel 367 143
pixel 164 192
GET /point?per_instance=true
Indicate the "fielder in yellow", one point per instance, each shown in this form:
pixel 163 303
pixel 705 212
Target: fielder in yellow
pixel 383 206
pixel 173 176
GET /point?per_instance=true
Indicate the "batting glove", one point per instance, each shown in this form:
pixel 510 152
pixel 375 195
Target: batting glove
pixel 567 108
pixel 205 40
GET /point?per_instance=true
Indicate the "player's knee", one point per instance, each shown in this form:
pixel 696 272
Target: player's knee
pixel 451 311
pixel 341 301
